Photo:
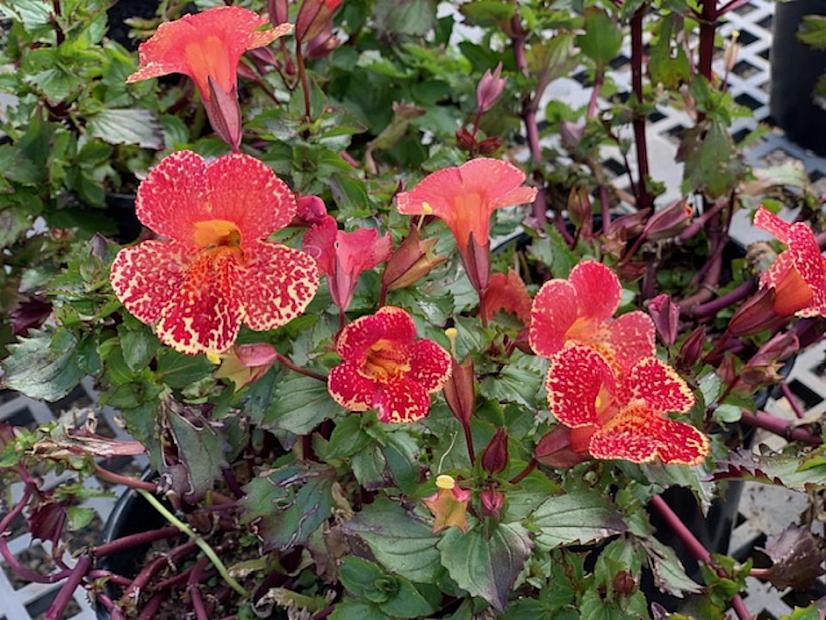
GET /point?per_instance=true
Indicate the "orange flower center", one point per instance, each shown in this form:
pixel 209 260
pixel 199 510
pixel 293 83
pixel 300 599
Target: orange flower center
pixel 385 360
pixel 469 217
pixel 209 57
pixel 792 294
pixel 216 233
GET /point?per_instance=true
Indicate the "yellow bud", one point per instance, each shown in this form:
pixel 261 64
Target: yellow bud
pixel 426 208
pixel 214 357
pixel 443 481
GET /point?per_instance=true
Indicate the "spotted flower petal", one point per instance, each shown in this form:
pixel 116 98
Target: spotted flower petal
pixel 553 312
pixel 658 386
pixel 631 338
pixel 402 401
pixel 811 265
pixel 277 284
pixel 388 322
pixel 576 378
pixel 146 277
pixel 597 289
pixel 205 312
pixel 430 365
pixel 349 388
pixel 772 224
pixel 639 435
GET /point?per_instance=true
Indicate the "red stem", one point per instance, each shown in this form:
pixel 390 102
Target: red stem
pixel 153 567
pixel 469 441
pixel 592 104
pixel 152 605
pixel 194 589
pixel 133 540
pixel 128 481
pixel 305 85
pixel 524 473
pixel 787 393
pixel 288 363
pixel 644 199
pixel 693 546
pixel 61 601
pixel 732 297
pixel 780 427
pixel 708 27
pixel 730 6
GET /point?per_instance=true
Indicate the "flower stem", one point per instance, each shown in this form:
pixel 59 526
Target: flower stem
pixel 198 540
pixel 768 422
pixel 644 199
pixel 525 472
pixel 288 363
pixel 693 546
pixel 61 601
pixel 133 540
pixel 127 481
pixel 305 84
pixel 711 308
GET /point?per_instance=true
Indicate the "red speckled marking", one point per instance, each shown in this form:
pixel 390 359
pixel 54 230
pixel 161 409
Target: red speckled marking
pixel 631 338
pixel 640 435
pixel 429 365
pixel 658 386
pixel 388 322
pixel 575 377
pixel 465 196
pixel 553 312
pixel 772 224
pixel 402 401
pixel 597 289
pixel 349 389
pixel 811 266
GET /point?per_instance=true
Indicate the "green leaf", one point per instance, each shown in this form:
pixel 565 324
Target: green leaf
pixel 352 608
pixel 347 438
pixel 400 540
pixel 132 126
pixel 79 517
pixel 602 39
pixel 804 613
pixel 486 566
pixel 292 503
pixel 405 17
pixel 784 469
pixel 813 31
pixel 299 405
pixel 519 382
pixel 43 366
pixel 669 64
pixel 200 450
pixel 553 251
pixel 395 596
pixel 580 516
pixel 487 13
pixel 138 345
pixel 179 371
pixel 668 571
pixel 713 165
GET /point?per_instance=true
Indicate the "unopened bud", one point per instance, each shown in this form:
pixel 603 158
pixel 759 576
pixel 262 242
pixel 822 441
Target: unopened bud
pixel 492 502
pixel 411 261
pixel 489 145
pixel 279 11
pixel 624 583
pixel 692 348
pixel 459 392
pixel 666 317
pixel 580 211
pixel 224 114
pixel 313 17
pixel 668 221
pixel 756 315
pixel 489 89
pixel 465 140
pixel 323 44
pixel 310 211
pixel 495 456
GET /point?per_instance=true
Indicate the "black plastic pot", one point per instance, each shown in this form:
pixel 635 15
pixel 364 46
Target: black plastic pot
pixel 120 208
pixel 131 515
pixel 795 70
pixel 122 10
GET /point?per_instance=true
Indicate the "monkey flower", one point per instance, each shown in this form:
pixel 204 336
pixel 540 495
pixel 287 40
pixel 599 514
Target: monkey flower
pixel 387 368
pixel 213 269
pixel 579 310
pixel 207 47
pixel 623 416
pixel 344 256
pixel 465 197
pixel 798 276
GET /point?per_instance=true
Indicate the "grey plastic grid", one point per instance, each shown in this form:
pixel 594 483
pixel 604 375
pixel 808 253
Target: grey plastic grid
pixel 763 509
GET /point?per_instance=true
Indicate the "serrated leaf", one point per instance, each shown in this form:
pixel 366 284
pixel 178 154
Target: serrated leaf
pixel 40 370
pixel 138 345
pixel 813 31
pixel 669 575
pixel 783 469
pixel 486 566
pixel 299 405
pixel 130 126
pixel 602 39
pixel 200 450
pixel 400 540
pixel 578 517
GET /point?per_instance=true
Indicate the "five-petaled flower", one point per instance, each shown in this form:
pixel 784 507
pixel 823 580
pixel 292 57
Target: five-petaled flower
pixel 207 47
pixel 465 197
pixel 798 276
pixel 213 269
pixel 579 310
pixel 344 256
pixel 387 368
pixel 623 416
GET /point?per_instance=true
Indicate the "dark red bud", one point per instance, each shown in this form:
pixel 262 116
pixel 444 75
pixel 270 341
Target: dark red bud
pixel 224 114
pixel 311 210
pixel 666 316
pixel 489 145
pixel 279 11
pixel 476 261
pixel 29 314
pixel 668 221
pixel 47 519
pixel 313 17
pixel 495 456
pixel 465 140
pixel 624 583
pixel 492 502
pixel 692 348
pixel 323 44
pixel 555 450
pixel 410 262
pixel 459 391
pixel 756 315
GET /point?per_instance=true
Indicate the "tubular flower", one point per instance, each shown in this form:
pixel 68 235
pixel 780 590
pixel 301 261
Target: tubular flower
pixel 344 256
pixel 385 367
pixel 508 293
pixel 579 310
pixel 623 416
pixel 207 47
pixel 798 276
pixel 213 270
pixel 465 197
pixel 448 504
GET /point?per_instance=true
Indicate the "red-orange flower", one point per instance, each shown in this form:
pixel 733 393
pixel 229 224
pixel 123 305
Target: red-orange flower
pixel 207 47
pixel 214 269
pixel 387 368
pixel 508 293
pixel 798 276
pixel 623 416
pixel 465 197
pixel 344 256
pixel 579 310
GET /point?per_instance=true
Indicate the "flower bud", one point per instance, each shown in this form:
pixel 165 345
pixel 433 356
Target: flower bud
pixel 692 348
pixel 555 450
pixel 624 583
pixel 490 145
pixel 29 314
pixel 224 114
pixel 465 140
pixel 311 210
pixel 727 370
pixel 763 367
pixel 495 456
pixel 581 211
pixel 666 317
pixel 411 261
pixel 489 89
pixel 459 391
pixel 279 11
pixel 322 44
pixel 314 16
pixel 492 502
pixel 669 221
